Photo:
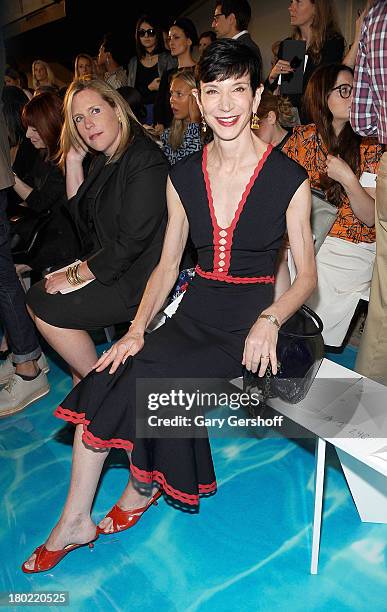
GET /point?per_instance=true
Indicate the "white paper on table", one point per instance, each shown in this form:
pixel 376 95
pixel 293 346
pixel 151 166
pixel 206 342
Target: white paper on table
pixel 72 287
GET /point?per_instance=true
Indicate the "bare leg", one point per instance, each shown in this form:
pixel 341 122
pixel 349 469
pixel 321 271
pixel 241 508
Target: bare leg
pixel 132 497
pixel 75 525
pixel 74 345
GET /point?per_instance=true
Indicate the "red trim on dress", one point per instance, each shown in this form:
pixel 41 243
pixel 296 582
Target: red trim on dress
pixel 223 236
pixel 234 279
pixel 156 476
pixel 142 475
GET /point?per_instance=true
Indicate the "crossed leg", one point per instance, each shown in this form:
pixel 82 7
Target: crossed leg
pixel 75 525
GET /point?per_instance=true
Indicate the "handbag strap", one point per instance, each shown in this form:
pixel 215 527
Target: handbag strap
pixel 307 312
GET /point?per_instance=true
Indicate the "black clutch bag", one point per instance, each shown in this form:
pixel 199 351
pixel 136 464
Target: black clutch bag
pixel 300 351
pixel 27 229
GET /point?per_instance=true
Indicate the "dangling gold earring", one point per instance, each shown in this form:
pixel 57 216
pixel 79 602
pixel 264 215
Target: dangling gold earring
pixel 254 122
pixel 204 125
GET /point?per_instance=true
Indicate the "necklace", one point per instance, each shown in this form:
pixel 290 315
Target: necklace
pixel 149 60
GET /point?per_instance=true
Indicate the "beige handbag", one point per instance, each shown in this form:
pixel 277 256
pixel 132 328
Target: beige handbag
pixel 322 217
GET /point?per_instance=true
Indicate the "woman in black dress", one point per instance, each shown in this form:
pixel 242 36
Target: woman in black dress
pixel 119 210
pixel 226 320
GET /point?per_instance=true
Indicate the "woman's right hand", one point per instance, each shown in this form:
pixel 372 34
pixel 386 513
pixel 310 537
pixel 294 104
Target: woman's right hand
pixel 127 346
pixel 75 155
pixel 281 67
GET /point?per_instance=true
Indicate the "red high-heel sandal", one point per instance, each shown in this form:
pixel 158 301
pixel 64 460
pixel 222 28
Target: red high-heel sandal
pixel 124 519
pixel 47 559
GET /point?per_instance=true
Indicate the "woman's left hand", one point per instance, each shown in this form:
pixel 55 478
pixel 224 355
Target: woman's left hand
pixel 260 347
pixel 154 85
pixel 338 170
pixel 56 282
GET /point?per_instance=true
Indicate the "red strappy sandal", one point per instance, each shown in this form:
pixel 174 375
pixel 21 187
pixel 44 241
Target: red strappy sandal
pixel 47 559
pixel 124 519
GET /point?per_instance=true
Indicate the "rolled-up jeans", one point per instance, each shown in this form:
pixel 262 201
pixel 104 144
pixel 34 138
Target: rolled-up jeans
pixel 20 330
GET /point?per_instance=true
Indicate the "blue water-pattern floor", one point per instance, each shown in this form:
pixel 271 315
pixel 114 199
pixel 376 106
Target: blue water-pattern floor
pixel 248 549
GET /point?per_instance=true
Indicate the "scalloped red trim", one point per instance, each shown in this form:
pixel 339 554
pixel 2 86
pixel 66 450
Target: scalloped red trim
pixel 234 279
pixel 156 476
pixel 221 265
pixel 142 475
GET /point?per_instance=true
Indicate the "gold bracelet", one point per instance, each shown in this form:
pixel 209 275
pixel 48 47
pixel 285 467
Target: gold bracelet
pixel 78 275
pixel 71 277
pixel 270 318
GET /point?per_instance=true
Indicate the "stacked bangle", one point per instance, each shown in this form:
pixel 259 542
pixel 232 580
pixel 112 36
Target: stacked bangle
pixel 73 275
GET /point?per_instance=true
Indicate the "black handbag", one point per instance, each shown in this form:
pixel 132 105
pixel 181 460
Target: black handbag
pixel 26 232
pixel 300 351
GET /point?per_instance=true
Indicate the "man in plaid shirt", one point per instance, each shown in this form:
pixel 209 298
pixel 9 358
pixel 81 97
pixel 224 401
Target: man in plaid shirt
pixel 369 118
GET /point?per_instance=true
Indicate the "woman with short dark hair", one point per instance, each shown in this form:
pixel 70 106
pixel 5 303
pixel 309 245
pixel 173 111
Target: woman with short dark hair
pixel 230 199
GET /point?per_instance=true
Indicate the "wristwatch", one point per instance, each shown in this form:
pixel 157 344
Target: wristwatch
pixel 270 318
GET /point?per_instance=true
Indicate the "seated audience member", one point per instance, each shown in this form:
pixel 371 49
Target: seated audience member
pixel 23 153
pixel 133 98
pixel 227 319
pixel 369 117
pixel 183 38
pixel 315 22
pixel 120 212
pixel 21 373
pixel 42 75
pixel 274 116
pixel 335 159
pixel 150 62
pixel 231 20
pixel 109 60
pixel 205 39
pixel 183 137
pixel 83 65
pixel 13 78
pixel 43 186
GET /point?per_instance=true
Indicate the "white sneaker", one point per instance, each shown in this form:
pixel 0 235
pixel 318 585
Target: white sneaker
pixel 7 368
pixel 19 393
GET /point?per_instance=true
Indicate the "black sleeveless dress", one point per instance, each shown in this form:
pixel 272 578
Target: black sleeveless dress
pixel 205 338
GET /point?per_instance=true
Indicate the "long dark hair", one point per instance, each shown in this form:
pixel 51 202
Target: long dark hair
pixel 347 143
pixel 140 49
pixel 44 112
pixel 324 27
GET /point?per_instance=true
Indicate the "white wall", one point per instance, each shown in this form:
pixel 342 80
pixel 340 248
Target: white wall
pixel 270 21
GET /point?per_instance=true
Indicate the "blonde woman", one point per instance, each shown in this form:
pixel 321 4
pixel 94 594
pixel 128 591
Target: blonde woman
pixel 119 210
pixel 183 137
pixel 315 22
pixel 83 65
pixel 42 75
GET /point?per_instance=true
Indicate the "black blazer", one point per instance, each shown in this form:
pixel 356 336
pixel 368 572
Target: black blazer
pixel 127 204
pixel 246 40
